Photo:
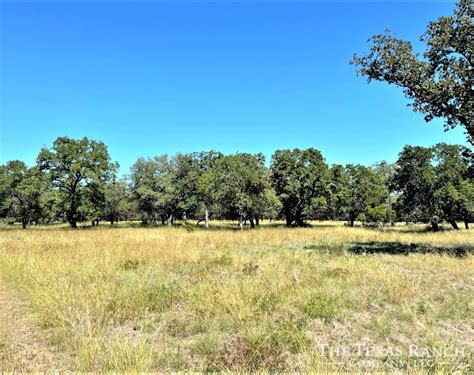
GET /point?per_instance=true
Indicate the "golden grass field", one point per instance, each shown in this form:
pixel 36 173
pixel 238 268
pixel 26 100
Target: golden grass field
pixel 163 299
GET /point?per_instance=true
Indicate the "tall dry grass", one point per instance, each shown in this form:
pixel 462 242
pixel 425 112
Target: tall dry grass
pixel 144 299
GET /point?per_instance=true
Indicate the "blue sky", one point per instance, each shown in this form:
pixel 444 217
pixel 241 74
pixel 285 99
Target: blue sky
pixel 149 78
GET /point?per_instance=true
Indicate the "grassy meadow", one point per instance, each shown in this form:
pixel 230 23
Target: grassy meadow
pixel 324 298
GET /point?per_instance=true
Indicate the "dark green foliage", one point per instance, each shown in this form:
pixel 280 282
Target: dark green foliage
pixel 367 195
pixel 170 187
pixel 435 184
pixel 165 188
pixel 50 202
pixel 439 83
pixel 75 181
pixel 240 184
pixel 339 193
pixel 300 179
pixel 20 192
pixel 414 179
pixel 77 169
pixel 116 201
pixel 151 187
pixel 185 176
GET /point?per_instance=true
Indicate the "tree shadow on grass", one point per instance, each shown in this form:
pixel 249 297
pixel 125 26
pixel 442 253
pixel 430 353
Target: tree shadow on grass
pixel 397 248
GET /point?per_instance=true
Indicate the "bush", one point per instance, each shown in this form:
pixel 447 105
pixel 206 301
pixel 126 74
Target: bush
pixel 320 307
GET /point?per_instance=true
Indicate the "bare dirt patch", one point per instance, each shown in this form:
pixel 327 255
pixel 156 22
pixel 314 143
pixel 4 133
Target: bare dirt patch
pixel 21 346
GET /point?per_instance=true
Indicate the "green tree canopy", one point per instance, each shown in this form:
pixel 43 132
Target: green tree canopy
pixel 241 186
pixel 20 192
pixel 339 193
pixel 367 195
pixel 434 184
pixel 439 83
pixel 152 188
pixel 116 201
pixel 76 168
pixel 300 179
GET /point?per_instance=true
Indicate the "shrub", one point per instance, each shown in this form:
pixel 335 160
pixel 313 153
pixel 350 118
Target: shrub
pixel 320 307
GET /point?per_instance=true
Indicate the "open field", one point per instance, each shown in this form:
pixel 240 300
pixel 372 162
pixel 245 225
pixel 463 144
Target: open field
pixel 151 299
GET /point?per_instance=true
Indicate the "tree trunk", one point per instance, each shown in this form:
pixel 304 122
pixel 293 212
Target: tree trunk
pixel 288 217
pixel 453 223
pixel 257 221
pixel 351 222
pixel 434 226
pixel 252 224
pixel 93 222
pixel 206 218
pixel 184 218
pixel 170 220
pixel 23 223
pixel 97 222
pixel 241 222
pixel 112 221
pixel 466 224
pixel 299 219
pixel 72 212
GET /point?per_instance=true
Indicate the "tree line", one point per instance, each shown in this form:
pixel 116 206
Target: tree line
pixel 75 181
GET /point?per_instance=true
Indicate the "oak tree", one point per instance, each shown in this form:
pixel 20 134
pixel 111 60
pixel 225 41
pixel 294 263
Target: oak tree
pixel 439 84
pixel 75 168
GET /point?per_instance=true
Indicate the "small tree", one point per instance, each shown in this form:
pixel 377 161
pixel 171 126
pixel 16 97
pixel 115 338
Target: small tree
pixel 116 205
pixel 366 194
pixel 265 206
pixel 204 183
pixel 386 173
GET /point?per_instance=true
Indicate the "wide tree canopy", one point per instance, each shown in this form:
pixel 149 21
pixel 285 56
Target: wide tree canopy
pixel 77 169
pixel 439 83
pixel 74 181
pixel 241 185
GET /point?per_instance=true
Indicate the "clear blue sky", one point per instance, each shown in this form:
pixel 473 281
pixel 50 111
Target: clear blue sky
pixel 150 78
